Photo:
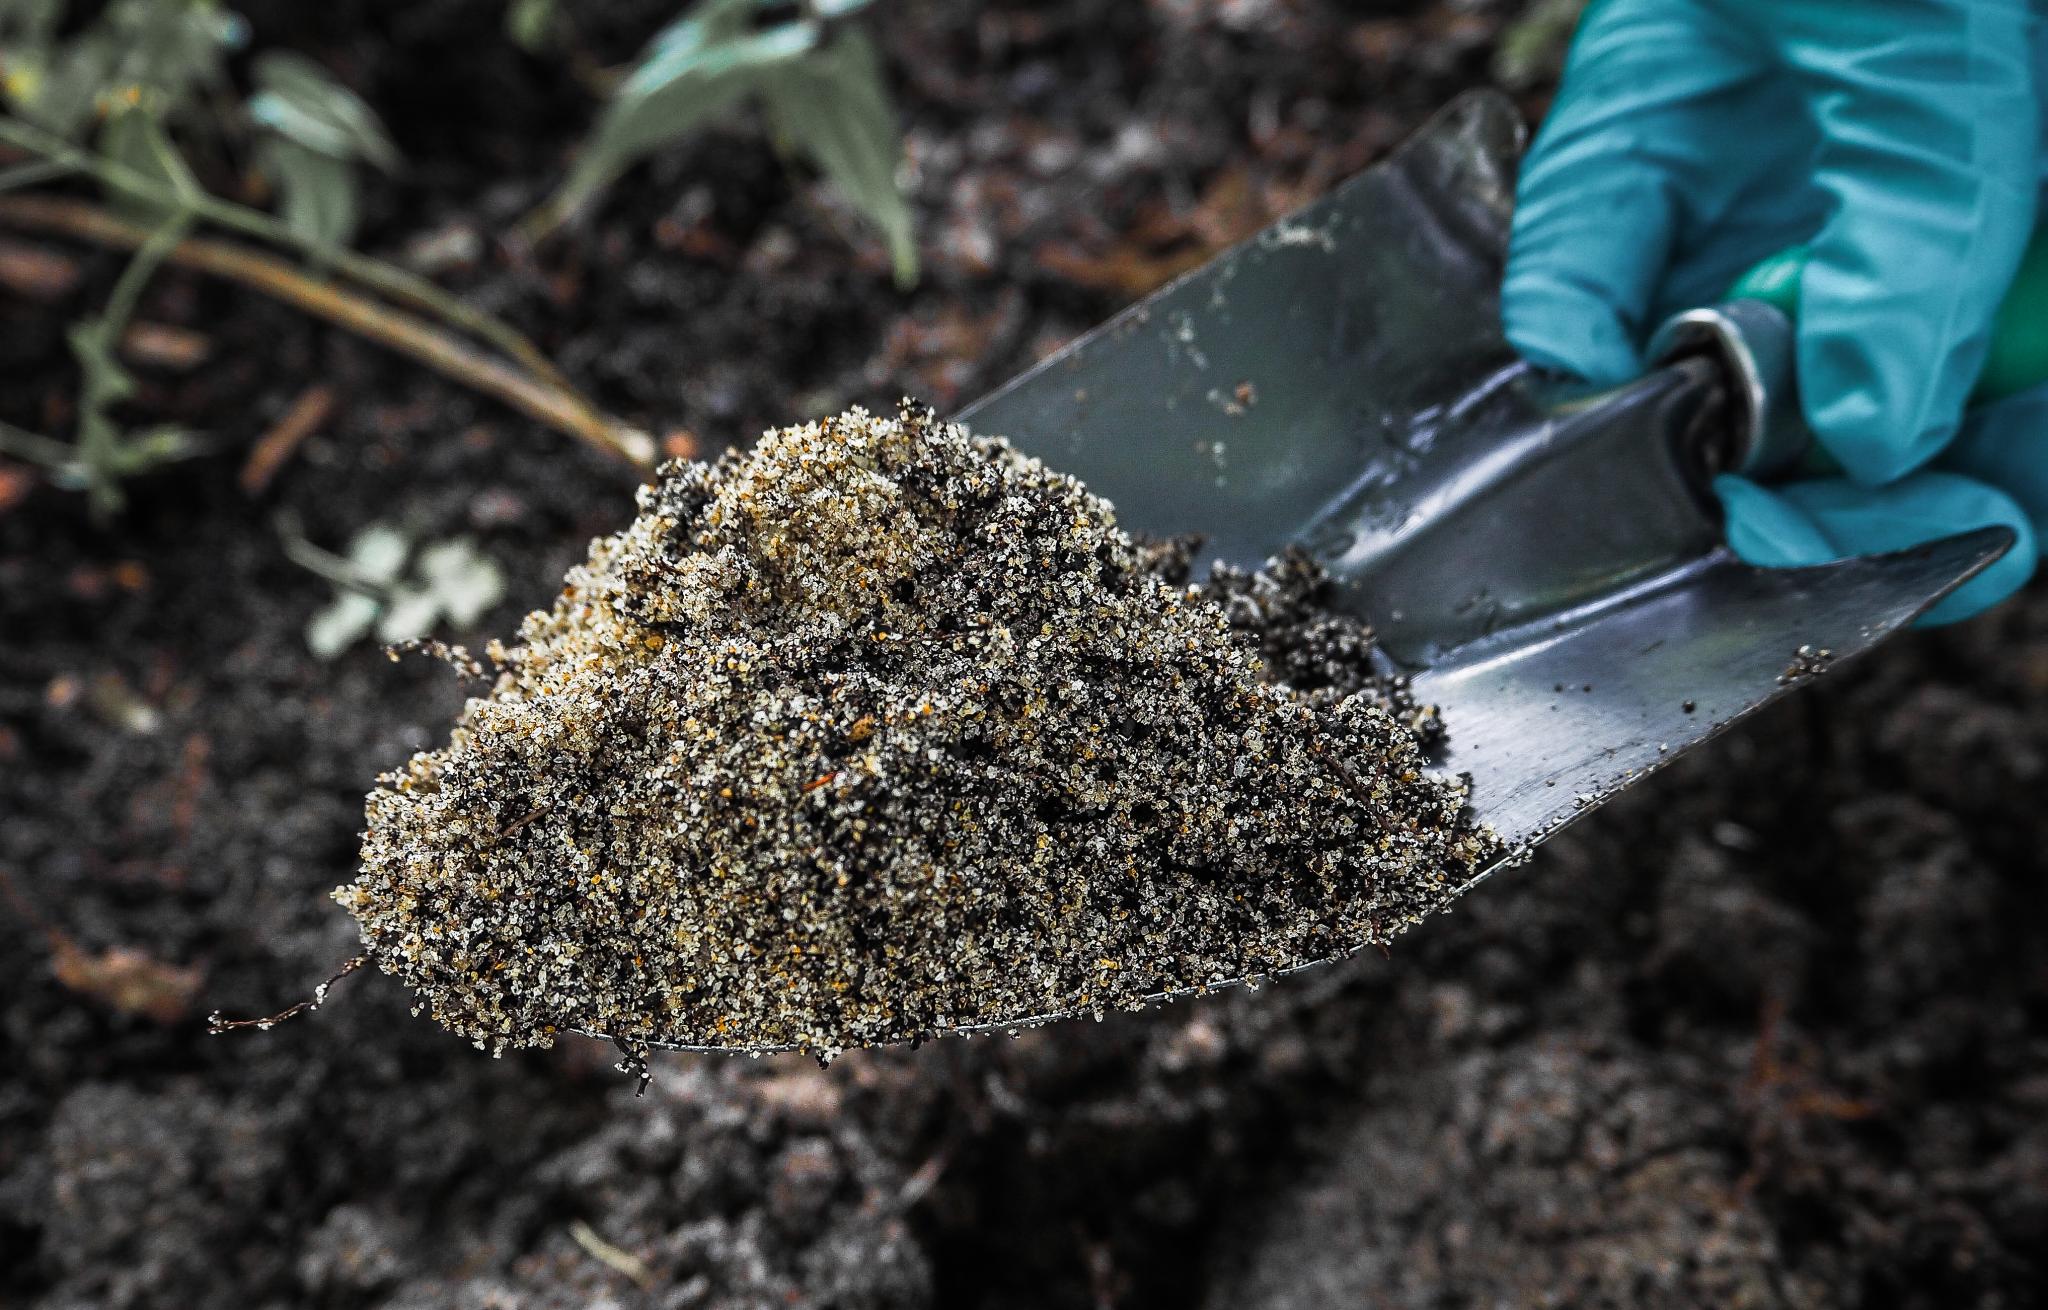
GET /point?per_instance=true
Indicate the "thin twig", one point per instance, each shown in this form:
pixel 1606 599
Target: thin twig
pixel 406 288
pixel 457 658
pixel 401 331
pixel 338 570
pixel 274 447
pixel 624 1263
pixel 35 448
pixel 99 439
pixel 33 173
pixel 1342 773
pixel 926 1177
pixel 216 1025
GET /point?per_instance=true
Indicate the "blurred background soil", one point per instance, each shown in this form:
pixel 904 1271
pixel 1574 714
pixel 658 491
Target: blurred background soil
pixel 1770 1030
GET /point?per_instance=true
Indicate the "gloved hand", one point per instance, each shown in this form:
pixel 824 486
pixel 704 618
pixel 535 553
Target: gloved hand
pixel 1903 141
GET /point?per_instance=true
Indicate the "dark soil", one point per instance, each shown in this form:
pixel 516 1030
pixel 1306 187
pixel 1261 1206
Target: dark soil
pixel 1772 1029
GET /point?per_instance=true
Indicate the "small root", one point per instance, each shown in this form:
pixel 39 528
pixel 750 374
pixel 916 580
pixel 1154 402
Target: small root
pixel 455 657
pixel 621 1262
pixel 634 1062
pixel 216 1025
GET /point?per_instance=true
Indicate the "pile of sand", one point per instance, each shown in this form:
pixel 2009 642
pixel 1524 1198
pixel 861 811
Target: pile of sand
pixel 878 730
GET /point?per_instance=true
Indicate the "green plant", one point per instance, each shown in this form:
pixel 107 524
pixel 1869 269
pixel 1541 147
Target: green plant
pixel 315 133
pixel 140 63
pixel 124 89
pixel 816 76
pixel 106 454
pixel 126 101
pixel 146 74
pixel 1532 47
pixel 373 593
pixel 532 24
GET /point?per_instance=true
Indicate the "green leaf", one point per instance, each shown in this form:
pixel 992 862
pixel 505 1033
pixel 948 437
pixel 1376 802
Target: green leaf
pixel 316 129
pixel 695 68
pixel 378 554
pixel 302 102
pixel 834 107
pixel 341 623
pixel 464 581
pixel 136 453
pixel 165 50
pixel 316 192
pixel 450 579
pixel 711 23
pixel 106 455
pixel 134 138
pixel 61 91
pixel 28 56
pixel 531 24
pixel 151 54
pixel 410 613
pixel 99 437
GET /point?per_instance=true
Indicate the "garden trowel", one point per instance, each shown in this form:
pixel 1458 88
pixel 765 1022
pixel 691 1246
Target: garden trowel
pixel 1546 565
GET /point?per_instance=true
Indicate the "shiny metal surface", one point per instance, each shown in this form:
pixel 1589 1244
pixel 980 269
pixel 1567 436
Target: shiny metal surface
pixel 1504 537
pixel 1238 400
pixel 1753 344
pixel 1553 719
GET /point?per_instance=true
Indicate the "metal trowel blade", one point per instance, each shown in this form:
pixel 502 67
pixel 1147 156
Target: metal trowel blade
pixel 1548 569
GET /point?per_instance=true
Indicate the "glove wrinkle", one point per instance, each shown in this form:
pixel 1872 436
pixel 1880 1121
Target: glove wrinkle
pixel 1932 199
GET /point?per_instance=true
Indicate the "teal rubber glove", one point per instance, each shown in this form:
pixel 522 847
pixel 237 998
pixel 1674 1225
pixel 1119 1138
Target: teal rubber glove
pixel 1902 141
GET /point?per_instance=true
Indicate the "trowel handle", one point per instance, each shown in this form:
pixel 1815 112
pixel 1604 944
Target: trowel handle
pixel 2018 356
pixel 1752 334
pixel 1752 341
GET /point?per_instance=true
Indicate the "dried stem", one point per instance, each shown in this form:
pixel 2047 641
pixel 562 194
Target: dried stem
pixel 1337 768
pixel 34 447
pixel 409 335
pixel 401 286
pixel 275 446
pixel 216 1025
pixel 621 1262
pixel 33 173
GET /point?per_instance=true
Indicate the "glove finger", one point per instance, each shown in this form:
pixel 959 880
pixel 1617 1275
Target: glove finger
pixel 1769 213
pixel 1929 134
pixel 1826 519
pixel 2006 444
pixel 1609 180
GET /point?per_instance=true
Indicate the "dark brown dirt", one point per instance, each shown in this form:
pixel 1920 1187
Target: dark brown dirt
pixel 1771 1031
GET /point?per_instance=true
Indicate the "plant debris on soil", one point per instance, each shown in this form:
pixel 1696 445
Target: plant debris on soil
pixel 882 729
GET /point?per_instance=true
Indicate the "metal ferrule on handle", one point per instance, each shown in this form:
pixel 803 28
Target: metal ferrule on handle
pixel 1753 343
pixel 1752 336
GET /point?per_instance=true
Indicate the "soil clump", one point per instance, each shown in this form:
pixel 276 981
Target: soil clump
pixel 882 729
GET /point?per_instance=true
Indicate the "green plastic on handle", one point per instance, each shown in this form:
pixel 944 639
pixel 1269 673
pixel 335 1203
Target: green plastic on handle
pixel 2018 357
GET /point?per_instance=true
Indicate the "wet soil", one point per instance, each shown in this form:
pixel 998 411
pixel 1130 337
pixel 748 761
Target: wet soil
pixel 1770 1030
